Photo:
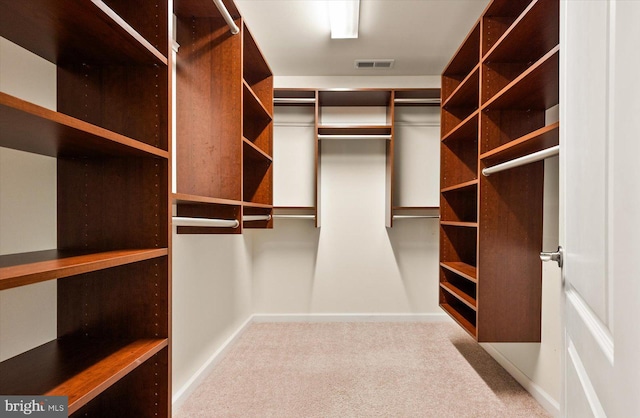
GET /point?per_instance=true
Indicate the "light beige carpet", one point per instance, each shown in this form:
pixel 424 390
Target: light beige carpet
pixel 358 370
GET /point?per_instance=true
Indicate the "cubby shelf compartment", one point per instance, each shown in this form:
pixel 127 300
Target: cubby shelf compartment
pixel 535 88
pixel 466 94
pixel 28 127
pixel 256 72
pixel 467 129
pixel 498 18
pixel 459 294
pixel 459 162
pixel 537 140
pixel 465 270
pixel 88 30
pixel 462 63
pixel 78 367
pixel 537 26
pixel 456 311
pixel 34 267
pixel 459 204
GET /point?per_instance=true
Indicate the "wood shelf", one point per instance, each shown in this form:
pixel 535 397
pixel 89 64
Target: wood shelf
pixel 460 224
pixel 254 153
pixel 294 97
pixel 86 31
pixel 465 270
pixel 498 18
pixel 537 27
pixel 459 294
pixel 537 140
pixel 536 88
pixel 182 198
pixel 460 319
pixel 28 127
pixel 467 129
pixel 461 186
pixel 257 205
pixel 344 130
pixel 34 267
pixel 466 94
pixel 80 368
pixel 253 104
pixel 462 63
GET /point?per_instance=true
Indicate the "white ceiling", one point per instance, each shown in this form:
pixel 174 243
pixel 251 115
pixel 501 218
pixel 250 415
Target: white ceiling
pixel 421 35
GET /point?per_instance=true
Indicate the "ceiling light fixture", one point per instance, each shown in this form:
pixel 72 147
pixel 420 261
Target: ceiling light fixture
pixel 344 16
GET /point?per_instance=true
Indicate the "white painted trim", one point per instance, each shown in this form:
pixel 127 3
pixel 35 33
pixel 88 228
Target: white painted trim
pixel 540 395
pixel 358 317
pixel 198 377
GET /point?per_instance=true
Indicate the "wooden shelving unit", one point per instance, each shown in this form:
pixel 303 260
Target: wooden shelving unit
pixel 224 120
pixel 111 137
pixel 496 91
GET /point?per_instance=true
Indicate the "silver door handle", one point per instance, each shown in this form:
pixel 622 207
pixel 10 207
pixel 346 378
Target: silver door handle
pixel 556 256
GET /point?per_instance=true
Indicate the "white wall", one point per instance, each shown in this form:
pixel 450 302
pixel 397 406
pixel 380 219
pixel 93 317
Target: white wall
pixel 211 298
pixel 353 264
pixel 27 207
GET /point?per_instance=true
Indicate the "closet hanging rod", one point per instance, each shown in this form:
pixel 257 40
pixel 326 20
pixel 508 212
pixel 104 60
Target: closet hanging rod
pixel 206 222
pixel 295 216
pixel 527 159
pixel 338 136
pixel 255 218
pixel 430 100
pixel 300 100
pixel 227 17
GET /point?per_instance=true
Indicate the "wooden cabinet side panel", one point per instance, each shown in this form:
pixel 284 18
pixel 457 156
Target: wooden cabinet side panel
pixel 208 109
pixel 510 241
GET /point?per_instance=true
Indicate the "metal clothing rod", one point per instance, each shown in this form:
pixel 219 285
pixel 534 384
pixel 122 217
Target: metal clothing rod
pixel 227 17
pixel 531 158
pixel 323 136
pixel 294 100
pixel 433 101
pixel 295 216
pixel 254 218
pixel 219 223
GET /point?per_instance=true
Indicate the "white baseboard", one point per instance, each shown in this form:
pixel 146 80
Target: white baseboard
pixel 544 399
pixel 192 384
pixel 359 317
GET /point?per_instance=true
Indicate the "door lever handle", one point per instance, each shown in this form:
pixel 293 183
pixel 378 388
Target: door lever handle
pixel 556 256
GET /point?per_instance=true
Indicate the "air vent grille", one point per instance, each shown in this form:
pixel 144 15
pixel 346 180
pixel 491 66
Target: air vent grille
pixel 380 64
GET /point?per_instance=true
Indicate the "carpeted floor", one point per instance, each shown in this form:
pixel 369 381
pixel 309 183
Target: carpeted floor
pixel 358 369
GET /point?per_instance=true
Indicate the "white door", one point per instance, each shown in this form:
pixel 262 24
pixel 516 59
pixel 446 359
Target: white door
pixel 600 206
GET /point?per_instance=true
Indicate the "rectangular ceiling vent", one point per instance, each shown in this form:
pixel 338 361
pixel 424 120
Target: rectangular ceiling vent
pixel 374 64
